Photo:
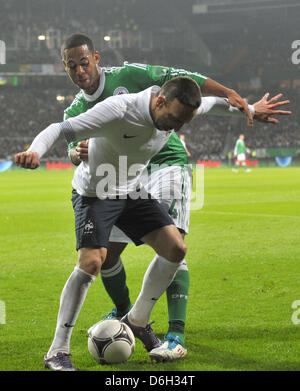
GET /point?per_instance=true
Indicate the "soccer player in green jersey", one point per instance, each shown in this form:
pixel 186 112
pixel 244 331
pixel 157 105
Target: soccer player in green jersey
pixel 81 62
pixel 240 151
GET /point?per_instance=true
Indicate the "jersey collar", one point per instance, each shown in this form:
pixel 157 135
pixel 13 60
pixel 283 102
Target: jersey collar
pixel 98 92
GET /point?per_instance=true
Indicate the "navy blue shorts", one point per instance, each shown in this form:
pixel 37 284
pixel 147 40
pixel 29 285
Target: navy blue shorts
pixel 94 219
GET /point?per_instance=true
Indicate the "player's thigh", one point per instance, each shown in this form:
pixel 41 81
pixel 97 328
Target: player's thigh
pixel 168 242
pixel 142 216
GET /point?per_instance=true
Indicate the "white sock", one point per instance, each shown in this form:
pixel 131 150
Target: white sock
pixel 158 277
pixel 71 301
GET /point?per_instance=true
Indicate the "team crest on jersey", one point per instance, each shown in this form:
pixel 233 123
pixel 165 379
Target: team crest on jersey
pixel 121 91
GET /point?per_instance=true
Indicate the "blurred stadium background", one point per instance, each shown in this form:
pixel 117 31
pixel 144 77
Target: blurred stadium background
pixel 246 45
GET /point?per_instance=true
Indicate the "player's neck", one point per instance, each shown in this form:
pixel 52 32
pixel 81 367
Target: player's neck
pixel 152 105
pixel 93 88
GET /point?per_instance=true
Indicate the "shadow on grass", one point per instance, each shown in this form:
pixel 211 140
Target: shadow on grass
pixel 260 338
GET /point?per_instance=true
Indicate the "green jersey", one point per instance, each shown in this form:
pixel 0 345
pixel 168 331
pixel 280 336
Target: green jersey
pixel 131 78
pixel 240 147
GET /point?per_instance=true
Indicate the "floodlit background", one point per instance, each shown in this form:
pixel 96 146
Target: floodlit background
pixel 251 46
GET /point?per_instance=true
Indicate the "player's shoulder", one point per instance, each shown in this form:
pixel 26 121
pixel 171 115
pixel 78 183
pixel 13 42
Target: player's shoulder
pixel 141 68
pixel 76 106
pixel 126 67
pixel 130 77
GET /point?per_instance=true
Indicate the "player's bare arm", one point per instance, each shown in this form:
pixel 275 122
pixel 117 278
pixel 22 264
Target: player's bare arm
pixel 264 109
pixel 211 87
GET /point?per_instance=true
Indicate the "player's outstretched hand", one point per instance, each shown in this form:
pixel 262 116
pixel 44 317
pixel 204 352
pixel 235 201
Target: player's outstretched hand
pixel 237 101
pixel 27 160
pixel 264 109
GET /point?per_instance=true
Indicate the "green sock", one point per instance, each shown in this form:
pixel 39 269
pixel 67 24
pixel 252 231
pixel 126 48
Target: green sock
pixel 114 281
pixel 177 294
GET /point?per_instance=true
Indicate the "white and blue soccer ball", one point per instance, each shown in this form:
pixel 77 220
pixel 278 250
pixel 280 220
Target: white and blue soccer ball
pixel 110 342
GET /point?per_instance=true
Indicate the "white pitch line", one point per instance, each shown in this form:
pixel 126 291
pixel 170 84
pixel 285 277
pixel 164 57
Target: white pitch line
pixel 249 214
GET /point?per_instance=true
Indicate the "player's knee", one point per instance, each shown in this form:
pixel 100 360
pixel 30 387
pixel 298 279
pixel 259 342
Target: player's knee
pixel 91 260
pixel 177 252
pixel 94 266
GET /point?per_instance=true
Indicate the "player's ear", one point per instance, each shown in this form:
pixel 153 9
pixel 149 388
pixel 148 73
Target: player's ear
pixel 97 56
pixel 64 64
pixel 160 101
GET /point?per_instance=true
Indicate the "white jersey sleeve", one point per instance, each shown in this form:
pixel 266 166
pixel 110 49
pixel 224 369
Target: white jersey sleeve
pixel 91 123
pixel 219 106
pixel 86 125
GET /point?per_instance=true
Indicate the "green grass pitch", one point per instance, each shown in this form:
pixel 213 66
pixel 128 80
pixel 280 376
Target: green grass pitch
pixel 243 257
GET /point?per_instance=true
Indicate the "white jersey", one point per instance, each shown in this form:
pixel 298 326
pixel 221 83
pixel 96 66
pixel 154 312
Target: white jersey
pixel 128 142
pixel 123 139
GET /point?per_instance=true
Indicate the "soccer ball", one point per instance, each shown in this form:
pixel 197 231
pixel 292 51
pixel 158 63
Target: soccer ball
pixel 111 341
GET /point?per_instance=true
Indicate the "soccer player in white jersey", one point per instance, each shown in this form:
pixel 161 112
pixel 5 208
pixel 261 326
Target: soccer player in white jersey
pixel 81 62
pixel 147 119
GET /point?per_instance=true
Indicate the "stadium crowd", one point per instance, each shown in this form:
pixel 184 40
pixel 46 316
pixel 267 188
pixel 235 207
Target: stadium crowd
pixel 22 23
pixel 248 56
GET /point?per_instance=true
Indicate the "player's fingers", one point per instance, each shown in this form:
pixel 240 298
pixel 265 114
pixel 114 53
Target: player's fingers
pixel 28 161
pixel 34 164
pixel 22 159
pixel 266 96
pixel 282 112
pixel 275 98
pixel 17 159
pixel 272 120
pixel 279 104
pixel 82 144
pixel 82 151
pixel 279 112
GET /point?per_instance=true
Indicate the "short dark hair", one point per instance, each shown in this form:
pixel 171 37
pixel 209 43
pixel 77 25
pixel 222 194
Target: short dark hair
pixel 185 89
pixel 75 40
